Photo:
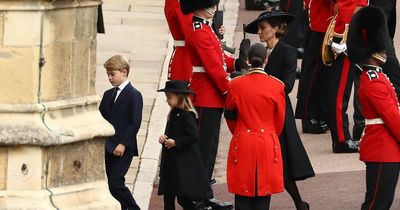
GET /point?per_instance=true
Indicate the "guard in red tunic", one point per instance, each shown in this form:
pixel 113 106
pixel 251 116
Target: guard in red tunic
pixel 179 24
pixel 311 104
pixel 341 79
pixel 209 80
pixel 255 112
pixel 380 145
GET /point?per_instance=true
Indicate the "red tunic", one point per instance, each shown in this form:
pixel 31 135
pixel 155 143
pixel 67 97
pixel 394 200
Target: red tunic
pixel 210 82
pixel 381 142
pixel 260 103
pixel 321 12
pixel 180 67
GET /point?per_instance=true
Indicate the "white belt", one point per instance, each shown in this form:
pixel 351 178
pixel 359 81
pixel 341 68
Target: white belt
pixel 375 121
pixel 198 69
pixel 179 43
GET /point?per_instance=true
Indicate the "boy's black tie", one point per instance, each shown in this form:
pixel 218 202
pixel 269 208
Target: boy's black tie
pixel 114 95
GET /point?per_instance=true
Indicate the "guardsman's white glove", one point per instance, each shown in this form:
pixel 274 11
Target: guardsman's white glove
pixel 338 48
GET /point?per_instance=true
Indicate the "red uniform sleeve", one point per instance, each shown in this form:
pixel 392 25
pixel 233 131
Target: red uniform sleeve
pixel 230 63
pixel 345 13
pixel 384 105
pixel 211 61
pixel 280 111
pixel 230 106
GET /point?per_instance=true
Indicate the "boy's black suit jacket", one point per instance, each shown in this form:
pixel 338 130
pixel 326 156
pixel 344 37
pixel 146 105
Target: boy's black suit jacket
pixel 125 116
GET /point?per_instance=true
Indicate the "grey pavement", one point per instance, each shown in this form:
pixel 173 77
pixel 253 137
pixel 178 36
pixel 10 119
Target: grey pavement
pixel 138 30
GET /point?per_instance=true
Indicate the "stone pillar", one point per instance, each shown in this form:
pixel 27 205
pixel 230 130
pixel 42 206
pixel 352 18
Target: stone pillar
pixel 51 133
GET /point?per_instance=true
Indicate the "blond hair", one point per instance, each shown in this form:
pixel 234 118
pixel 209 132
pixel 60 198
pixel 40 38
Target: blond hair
pixel 117 63
pixel 185 103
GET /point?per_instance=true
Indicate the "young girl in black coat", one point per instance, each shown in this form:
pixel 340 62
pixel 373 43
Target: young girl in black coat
pixel 182 172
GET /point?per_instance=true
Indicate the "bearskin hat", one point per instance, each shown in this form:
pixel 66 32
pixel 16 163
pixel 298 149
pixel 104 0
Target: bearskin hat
pixel 368 34
pixel 189 6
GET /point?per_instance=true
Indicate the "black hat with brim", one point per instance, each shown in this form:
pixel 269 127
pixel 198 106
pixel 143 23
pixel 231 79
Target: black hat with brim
pixel 189 6
pixel 368 34
pixel 252 27
pixel 176 86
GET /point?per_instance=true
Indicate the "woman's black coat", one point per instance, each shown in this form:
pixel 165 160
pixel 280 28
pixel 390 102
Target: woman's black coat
pixel 182 172
pixel 282 64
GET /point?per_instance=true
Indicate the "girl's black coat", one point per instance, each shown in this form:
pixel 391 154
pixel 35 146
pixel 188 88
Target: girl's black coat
pixel 182 172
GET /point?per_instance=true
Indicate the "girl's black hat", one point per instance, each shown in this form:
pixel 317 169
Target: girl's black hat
pixel 176 86
pixel 252 27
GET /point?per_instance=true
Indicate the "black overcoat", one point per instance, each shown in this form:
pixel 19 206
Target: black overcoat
pixel 182 171
pixel 282 64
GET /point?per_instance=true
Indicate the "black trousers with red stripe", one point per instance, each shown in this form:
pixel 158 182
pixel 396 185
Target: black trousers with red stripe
pixel 209 123
pixel 340 84
pixel 313 84
pixel 381 180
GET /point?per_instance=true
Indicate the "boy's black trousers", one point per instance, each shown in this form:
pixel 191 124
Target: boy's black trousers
pixel 116 168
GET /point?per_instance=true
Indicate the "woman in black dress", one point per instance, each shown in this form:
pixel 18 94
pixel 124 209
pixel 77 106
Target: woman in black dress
pixel 282 62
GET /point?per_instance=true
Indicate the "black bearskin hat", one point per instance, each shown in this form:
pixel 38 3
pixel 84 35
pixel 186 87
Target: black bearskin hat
pixel 368 34
pixel 189 6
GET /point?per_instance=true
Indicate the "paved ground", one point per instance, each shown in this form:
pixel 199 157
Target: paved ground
pixel 339 183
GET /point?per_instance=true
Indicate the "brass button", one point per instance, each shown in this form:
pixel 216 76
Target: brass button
pixel 248 131
pixel 235 161
pixel 262 130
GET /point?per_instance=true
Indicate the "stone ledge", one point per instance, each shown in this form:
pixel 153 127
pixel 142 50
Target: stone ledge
pixel 86 196
pixel 55 127
pixel 39 5
pixel 53 105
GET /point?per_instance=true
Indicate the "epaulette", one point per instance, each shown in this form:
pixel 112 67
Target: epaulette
pixel 197 25
pixel 372 74
pixel 277 79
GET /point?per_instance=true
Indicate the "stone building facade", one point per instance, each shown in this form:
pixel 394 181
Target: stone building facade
pixel 51 133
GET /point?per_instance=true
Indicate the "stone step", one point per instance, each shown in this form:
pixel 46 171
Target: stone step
pixel 136 21
pixel 149 2
pixel 127 46
pixel 117 7
pixel 138 15
pixel 137 33
pixel 149 9
pixel 146 64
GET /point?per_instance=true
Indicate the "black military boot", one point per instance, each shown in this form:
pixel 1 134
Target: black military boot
pixel 349 146
pixel 218 205
pixel 201 205
pixel 314 126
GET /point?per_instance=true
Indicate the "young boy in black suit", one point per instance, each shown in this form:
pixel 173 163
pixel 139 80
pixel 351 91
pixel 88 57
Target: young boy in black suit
pixel 121 106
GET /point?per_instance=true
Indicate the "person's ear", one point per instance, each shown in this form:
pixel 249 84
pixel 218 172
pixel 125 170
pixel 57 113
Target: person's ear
pixel 125 72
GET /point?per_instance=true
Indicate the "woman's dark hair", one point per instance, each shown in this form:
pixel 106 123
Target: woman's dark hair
pixel 257 54
pixel 282 26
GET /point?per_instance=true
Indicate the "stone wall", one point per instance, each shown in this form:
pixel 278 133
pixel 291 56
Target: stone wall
pixel 51 132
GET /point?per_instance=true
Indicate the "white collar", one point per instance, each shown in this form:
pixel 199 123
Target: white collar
pixel 123 85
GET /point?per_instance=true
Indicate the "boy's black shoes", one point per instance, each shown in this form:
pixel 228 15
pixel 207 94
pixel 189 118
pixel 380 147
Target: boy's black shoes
pixel 314 126
pixel 349 146
pixel 213 181
pixel 218 205
pixel 200 205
